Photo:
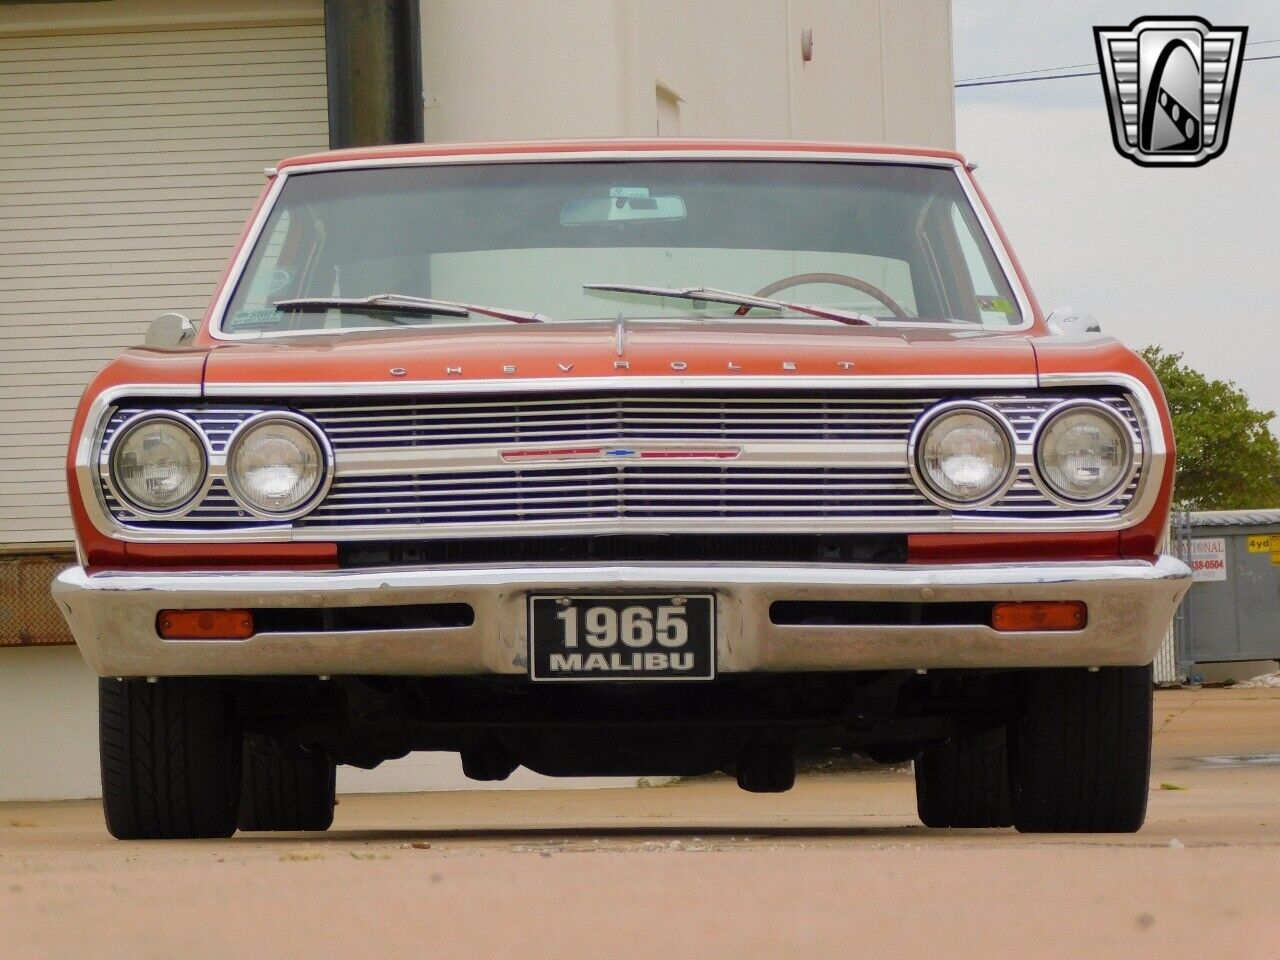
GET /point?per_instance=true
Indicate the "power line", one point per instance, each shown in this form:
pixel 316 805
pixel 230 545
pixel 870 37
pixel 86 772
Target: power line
pixel 971 81
pixel 1064 76
pixel 1019 73
pixel 1052 76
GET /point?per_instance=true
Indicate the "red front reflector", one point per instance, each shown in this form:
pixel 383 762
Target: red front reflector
pixel 205 624
pixel 1040 615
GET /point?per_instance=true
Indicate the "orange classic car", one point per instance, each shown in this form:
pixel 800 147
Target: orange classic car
pixel 622 458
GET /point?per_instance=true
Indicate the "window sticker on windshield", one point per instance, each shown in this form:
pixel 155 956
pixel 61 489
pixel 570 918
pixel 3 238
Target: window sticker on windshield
pixel 270 281
pixel 262 318
pixel 997 304
pixel 628 191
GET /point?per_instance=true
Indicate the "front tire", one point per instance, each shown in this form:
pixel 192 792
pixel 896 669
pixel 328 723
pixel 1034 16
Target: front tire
pixel 1082 750
pixel 285 787
pixel 965 782
pixel 170 759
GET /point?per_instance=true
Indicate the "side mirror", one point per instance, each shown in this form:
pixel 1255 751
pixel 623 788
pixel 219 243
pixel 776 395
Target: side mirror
pixel 1070 322
pixel 170 330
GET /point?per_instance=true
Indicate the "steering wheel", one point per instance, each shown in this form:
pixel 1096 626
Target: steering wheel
pixel 840 280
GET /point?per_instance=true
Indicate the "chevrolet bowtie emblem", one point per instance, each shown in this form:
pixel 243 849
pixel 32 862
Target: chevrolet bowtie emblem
pixel 536 454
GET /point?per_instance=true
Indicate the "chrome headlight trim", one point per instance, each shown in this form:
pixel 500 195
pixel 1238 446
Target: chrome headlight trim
pixel 107 454
pixel 307 426
pixel 1126 431
pixel 929 419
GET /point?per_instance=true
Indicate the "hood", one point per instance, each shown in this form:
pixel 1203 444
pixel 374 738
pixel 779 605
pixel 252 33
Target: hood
pixel 177 369
pixel 570 351
pixel 1084 354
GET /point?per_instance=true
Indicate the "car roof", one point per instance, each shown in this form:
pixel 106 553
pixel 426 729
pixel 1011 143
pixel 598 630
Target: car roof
pixel 402 153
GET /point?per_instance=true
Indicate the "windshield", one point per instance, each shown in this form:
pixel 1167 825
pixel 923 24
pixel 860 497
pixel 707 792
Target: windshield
pixel 892 241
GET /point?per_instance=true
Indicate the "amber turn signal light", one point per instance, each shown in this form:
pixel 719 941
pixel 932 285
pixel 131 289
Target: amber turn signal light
pixel 205 624
pixel 1039 615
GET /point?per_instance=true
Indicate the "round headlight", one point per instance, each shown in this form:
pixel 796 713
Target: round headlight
pixel 158 464
pixel 276 466
pixel 964 455
pixel 1083 452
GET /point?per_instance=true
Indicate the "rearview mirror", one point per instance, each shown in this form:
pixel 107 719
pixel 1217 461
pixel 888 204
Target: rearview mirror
pixel 623 204
pixel 170 330
pixel 1070 322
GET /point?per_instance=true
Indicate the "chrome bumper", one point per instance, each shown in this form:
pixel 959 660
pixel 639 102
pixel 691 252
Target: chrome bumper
pixel 1131 604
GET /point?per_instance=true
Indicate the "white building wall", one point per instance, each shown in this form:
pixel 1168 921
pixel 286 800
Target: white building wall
pixel 131 150
pixel 49 715
pixel 509 69
pixel 880 70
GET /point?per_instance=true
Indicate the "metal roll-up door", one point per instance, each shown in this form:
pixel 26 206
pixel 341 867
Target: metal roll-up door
pixel 128 161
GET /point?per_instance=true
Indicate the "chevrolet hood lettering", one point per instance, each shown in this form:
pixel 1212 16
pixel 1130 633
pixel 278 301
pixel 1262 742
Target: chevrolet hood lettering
pixel 566 352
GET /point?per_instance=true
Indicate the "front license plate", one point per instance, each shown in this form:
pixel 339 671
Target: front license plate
pixel 611 637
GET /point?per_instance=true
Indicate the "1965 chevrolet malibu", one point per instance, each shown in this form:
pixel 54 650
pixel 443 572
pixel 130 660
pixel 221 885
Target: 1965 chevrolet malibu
pixel 623 458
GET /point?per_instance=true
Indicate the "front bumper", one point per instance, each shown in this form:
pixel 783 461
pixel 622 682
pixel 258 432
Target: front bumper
pixel 113 616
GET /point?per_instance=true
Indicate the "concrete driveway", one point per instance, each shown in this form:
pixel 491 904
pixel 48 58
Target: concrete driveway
pixel 839 867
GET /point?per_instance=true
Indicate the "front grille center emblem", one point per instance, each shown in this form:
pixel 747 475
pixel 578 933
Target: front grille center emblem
pixel 536 454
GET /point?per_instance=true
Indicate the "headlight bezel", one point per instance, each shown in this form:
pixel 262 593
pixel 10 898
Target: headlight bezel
pixel 308 427
pixel 131 426
pixel 929 420
pixel 1130 459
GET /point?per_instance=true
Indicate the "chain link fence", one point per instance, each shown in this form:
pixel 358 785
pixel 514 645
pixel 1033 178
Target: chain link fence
pixel 1172 663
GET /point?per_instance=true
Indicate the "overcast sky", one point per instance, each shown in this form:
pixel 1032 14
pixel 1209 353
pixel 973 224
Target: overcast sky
pixel 1187 259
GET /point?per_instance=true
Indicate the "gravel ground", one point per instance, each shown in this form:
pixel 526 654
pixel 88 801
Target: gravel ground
pixel 839 866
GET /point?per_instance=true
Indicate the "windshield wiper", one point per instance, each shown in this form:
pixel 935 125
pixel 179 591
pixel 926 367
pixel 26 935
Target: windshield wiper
pixel 711 295
pixel 407 304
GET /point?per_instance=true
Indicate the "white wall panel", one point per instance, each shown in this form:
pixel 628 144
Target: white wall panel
pixel 880 70
pixel 129 158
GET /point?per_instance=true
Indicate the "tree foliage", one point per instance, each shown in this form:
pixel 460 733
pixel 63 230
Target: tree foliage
pixel 1228 458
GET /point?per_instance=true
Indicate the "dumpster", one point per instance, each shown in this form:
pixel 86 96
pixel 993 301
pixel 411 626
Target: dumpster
pixel 1232 611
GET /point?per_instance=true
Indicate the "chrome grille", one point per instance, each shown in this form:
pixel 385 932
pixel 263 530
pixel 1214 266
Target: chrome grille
pixel 646 493
pixel 615 418
pixel 626 490
pixel 609 492
pixel 422 424
pixel 426 465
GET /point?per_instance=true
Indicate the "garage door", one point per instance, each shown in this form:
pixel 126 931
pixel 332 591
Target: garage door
pixel 128 161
